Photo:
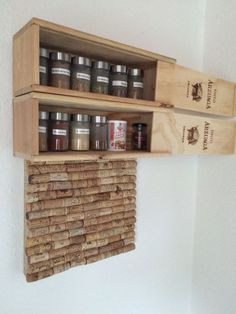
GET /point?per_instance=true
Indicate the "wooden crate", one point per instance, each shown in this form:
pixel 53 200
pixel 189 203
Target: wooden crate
pixel 183 134
pixel 38 33
pixel 26 117
pixel 185 88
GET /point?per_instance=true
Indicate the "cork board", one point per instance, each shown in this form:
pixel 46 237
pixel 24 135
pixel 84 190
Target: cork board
pixel 77 213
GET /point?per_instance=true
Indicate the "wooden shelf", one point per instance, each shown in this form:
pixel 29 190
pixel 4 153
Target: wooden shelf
pixel 91 155
pixel 74 99
pixel 166 84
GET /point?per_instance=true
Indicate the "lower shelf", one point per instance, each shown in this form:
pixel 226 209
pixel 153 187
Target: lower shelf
pixel 65 156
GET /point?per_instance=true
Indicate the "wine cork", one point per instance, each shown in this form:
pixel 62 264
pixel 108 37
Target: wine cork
pixel 38 249
pixel 74 248
pixel 38 258
pixel 60 235
pixel 78 262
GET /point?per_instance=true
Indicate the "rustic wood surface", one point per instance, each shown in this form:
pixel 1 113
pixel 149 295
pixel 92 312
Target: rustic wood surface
pixel 77 213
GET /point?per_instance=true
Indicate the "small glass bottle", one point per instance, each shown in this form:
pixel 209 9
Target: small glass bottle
pixel 79 132
pixel 58 135
pixel 80 74
pixel 60 69
pixel 135 83
pixel 43 131
pixel 98 133
pixel 100 77
pixel 139 136
pixel 118 81
pixel 43 66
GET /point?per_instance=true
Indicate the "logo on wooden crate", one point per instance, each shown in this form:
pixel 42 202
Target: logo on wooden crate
pixel 197 91
pixel 193 135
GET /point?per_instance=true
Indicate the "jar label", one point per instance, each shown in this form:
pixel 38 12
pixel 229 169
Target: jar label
pixel 82 131
pixel 60 71
pixel 59 132
pixel 119 83
pixel 42 69
pixel 116 135
pixel 138 84
pixel 42 129
pixel 102 79
pixel 83 76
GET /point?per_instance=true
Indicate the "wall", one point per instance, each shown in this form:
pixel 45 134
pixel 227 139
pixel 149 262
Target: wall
pixel 156 277
pixel 214 276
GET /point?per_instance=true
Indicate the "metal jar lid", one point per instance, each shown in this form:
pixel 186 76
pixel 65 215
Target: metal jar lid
pixel 101 65
pixel 43 115
pixel 135 72
pixel 139 125
pixel 59 116
pixel 44 53
pixel 99 119
pixel 81 61
pixel 60 56
pixel 118 68
pixel 80 117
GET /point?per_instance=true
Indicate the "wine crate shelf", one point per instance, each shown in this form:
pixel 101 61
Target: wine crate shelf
pixel 166 85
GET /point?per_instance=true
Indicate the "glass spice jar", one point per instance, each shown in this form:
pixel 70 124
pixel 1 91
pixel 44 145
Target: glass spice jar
pixel 43 66
pixel 139 136
pixel 98 133
pixel 81 74
pixel 58 134
pixel 118 81
pixel 135 83
pixel 60 69
pixel 79 132
pixel 100 77
pixel 43 131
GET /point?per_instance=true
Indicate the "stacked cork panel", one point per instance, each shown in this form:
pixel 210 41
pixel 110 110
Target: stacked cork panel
pixel 77 213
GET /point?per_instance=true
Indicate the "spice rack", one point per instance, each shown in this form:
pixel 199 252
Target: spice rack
pixel 165 85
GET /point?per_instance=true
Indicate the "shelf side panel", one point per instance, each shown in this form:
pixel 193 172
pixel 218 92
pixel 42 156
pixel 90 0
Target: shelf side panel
pixel 26 59
pixel 25 127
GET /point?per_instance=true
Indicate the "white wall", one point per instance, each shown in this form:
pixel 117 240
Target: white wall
pixel 214 267
pixel 156 277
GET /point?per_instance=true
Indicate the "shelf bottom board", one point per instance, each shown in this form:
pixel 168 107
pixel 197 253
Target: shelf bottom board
pixel 63 156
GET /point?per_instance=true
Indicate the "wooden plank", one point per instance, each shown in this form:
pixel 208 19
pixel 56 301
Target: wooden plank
pixel 26 59
pixel 73 99
pixel 25 133
pixel 188 89
pixel 66 156
pixel 184 134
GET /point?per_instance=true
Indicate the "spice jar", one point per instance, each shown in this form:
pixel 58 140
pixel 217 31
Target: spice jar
pixel 80 74
pixel 98 133
pixel 100 77
pixel 43 131
pixel 79 132
pixel 43 66
pixel 135 83
pixel 139 136
pixel 118 81
pixel 60 69
pixel 58 136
